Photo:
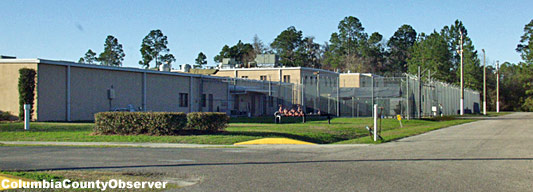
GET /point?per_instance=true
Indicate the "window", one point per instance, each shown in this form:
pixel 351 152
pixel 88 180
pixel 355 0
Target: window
pixel 244 77
pixel 286 78
pixel 204 100
pixel 184 100
pixel 263 77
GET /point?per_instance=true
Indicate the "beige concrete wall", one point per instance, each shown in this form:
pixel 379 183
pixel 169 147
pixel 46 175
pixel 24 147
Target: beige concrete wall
pixel 89 91
pixel 52 90
pixel 272 74
pixel 225 73
pixel 219 90
pixel 163 92
pixel 9 95
pixel 350 80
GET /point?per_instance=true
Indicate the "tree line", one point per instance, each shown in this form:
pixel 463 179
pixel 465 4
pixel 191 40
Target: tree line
pixel 353 49
pixel 153 50
pixel 350 48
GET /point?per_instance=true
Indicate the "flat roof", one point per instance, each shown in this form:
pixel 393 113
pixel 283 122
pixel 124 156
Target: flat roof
pixel 365 74
pixel 128 69
pixel 279 68
pixel 94 66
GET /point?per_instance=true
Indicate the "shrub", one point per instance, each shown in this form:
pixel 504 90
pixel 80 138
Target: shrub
pixel 134 123
pixel 207 121
pixel 26 87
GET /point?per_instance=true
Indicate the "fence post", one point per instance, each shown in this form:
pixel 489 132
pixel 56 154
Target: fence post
pixel 338 98
pixel 407 114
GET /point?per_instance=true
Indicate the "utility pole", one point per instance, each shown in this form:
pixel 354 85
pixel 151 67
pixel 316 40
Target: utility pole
pixel 484 84
pixel 497 86
pixel 462 104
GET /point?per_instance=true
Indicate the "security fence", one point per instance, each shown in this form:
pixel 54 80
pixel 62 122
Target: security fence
pixel 249 97
pixel 406 96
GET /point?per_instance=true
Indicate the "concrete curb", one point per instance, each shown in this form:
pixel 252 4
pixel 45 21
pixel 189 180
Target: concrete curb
pixel 172 145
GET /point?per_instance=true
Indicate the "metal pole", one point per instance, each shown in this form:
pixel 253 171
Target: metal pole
pixel 372 89
pixel 27 111
pixel 318 88
pixel 484 84
pixel 338 98
pixel 353 107
pixel 429 99
pixel 462 104
pixel 497 86
pixel 375 122
pixel 407 114
pixel 303 97
pixel 419 93
pixel 358 109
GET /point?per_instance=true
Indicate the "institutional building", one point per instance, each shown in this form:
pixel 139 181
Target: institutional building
pixel 69 91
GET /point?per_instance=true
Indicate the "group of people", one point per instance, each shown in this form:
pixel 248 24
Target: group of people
pixel 290 112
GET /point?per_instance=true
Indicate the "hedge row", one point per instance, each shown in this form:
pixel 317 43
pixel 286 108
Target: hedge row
pixel 157 123
pixel 208 122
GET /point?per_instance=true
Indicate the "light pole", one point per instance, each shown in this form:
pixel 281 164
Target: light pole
pixel 497 86
pixel 484 84
pixel 460 51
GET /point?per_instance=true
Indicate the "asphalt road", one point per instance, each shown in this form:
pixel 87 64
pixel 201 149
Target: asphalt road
pixel 495 154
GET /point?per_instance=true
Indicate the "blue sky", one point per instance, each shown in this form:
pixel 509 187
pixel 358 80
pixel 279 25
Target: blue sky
pixel 65 30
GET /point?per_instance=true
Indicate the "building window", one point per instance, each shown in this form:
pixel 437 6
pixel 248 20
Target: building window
pixel 244 77
pixel 286 78
pixel 184 100
pixel 263 77
pixel 204 100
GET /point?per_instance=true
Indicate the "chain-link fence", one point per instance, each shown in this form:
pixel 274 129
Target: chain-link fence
pixel 249 97
pixel 406 96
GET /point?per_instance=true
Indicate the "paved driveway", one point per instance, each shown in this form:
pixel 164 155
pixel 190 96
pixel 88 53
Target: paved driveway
pixel 495 154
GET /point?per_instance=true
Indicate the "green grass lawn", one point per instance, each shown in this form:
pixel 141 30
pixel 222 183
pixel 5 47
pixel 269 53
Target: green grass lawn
pixel 341 130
